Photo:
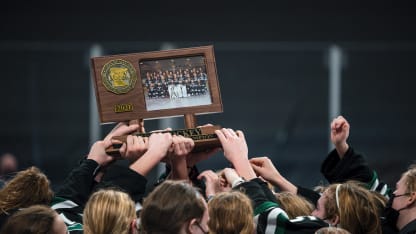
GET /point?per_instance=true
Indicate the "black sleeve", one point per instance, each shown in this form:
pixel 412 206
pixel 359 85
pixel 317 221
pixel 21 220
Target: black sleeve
pixel 79 183
pixel 309 194
pixel 125 179
pixel 270 218
pixel 266 190
pixel 353 166
pixel 253 189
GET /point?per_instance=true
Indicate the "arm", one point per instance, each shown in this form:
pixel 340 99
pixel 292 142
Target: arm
pixel 181 147
pixel 236 151
pixel 343 163
pixel 340 130
pixel 159 144
pixel 70 199
pixel 264 167
pixel 78 185
pixel 132 179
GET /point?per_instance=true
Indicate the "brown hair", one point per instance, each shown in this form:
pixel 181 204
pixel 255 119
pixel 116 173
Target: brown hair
pixel 294 205
pixel 230 212
pixel 355 207
pixel 28 187
pixel 169 206
pixel 36 219
pixel 109 211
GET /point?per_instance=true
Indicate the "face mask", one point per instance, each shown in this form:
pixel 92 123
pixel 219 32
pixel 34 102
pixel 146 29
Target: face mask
pixel 391 215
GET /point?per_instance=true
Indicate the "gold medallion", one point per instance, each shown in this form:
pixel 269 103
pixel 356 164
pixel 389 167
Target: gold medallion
pixel 119 76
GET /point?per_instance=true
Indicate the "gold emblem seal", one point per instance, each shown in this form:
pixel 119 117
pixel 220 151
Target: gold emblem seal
pixel 119 76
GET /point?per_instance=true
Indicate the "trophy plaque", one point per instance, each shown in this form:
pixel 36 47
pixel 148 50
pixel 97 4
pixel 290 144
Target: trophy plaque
pixel 159 84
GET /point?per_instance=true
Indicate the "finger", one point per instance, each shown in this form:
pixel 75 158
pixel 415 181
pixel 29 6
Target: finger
pixel 130 144
pixel 141 126
pixel 232 132
pixel 133 122
pixel 146 141
pixel 220 135
pixel 211 174
pixel 258 160
pixel 123 129
pixel 111 133
pixel 254 162
pixel 123 149
pixel 176 141
pixel 200 176
pixel 228 133
pixel 340 126
pixel 255 167
pixel 180 148
pixel 140 140
pixel 189 144
pixel 240 134
pixel 130 140
pixel 333 124
pixel 346 125
pixel 205 125
pixel 118 125
pixel 115 141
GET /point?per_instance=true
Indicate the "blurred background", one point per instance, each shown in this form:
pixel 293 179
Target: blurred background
pixel 285 70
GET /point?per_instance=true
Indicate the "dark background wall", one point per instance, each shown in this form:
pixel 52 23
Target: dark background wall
pixel 271 63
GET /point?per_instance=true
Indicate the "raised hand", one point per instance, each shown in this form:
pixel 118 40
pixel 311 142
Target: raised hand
pixel 178 152
pixel 233 144
pixel 158 146
pixel 264 167
pixel 340 130
pixel 236 151
pixel 134 147
pixel 97 151
pixel 212 182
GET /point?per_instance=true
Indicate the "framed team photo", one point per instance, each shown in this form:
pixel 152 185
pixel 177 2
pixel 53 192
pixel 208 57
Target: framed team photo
pixel 156 84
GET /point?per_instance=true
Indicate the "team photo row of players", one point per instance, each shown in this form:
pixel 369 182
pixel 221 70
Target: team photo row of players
pixel 175 83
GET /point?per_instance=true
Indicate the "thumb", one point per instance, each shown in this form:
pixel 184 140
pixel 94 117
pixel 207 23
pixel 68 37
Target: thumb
pixel 200 176
pixel 255 167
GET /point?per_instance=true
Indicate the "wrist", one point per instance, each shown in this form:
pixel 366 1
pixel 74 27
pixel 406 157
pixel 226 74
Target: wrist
pixel 156 153
pixel 237 182
pixel 99 160
pixel 342 149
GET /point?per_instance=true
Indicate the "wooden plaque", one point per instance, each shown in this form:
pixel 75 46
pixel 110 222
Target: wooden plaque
pixel 156 84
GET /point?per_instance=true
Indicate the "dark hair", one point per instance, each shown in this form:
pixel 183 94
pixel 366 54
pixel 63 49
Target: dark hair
pixel 169 206
pixel 37 219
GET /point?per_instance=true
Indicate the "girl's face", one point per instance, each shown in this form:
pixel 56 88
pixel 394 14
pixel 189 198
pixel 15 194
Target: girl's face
pixel 59 226
pixel 319 211
pixel 401 198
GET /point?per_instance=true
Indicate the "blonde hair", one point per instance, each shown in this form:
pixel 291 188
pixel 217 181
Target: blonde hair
pixel 355 206
pixel 28 187
pixel 109 211
pixel 294 205
pixel 332 230
pixel 230 212
pixel 410 176
pixel 169 206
